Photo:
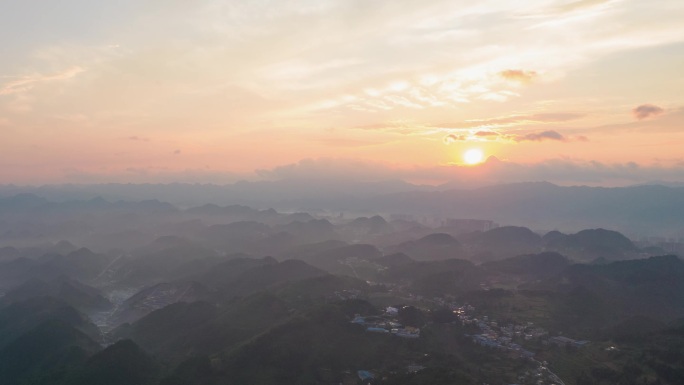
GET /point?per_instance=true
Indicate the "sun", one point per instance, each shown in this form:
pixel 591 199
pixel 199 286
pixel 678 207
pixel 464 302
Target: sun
pixel 473 156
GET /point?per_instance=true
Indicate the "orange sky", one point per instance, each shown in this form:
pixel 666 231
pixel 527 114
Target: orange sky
pixel 584 91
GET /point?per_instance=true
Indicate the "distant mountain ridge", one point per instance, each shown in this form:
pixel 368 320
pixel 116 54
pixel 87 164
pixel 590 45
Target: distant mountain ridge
pixel 642 209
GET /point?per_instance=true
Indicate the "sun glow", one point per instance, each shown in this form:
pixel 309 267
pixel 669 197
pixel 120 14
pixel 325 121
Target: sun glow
pixel 473 156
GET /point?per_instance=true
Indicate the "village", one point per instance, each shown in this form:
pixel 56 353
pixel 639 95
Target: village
pixel 387 323
pixel 508 339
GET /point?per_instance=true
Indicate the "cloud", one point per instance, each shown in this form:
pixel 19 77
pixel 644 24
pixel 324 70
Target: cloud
pixel 347 142
pixel 516 119
pixel 568 9
pixel 152 175
pixel 518 75
pixel 26 83
pixel 499 96
pixel 485 125
pixel 487 134
pixel 645 111
pixel 541 136
pixel 138 138
pixel 493 171
pixel 329 169
pixel 548 117
pixel 477 136
pixel 498 136
pixel 581 4
pixel 400 127
pixel 452 138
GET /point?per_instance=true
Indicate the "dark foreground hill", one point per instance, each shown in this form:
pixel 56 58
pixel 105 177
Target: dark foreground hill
pixel 19 317
pixel 46 354
pixel 599 297
pixel 72 292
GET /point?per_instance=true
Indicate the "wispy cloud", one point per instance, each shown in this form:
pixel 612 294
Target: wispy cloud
pixel 517 119
pixel 645 111
pixel 548 135
pixel 482 127
pixel 26 83
pixel 453 138
pixel 518 75
pixel 487 134
pixel 156 174
pixel 581 4
pixel 346 142
pixel 136 138
pixel 567 9
pixel 541 136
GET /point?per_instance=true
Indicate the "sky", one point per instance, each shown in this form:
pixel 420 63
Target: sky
pixel 206 91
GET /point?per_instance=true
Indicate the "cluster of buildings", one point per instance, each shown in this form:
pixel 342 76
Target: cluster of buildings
pixel 347 294
pixel 502 343
pixel 164 294
pixel 386 323
pixel 493 335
